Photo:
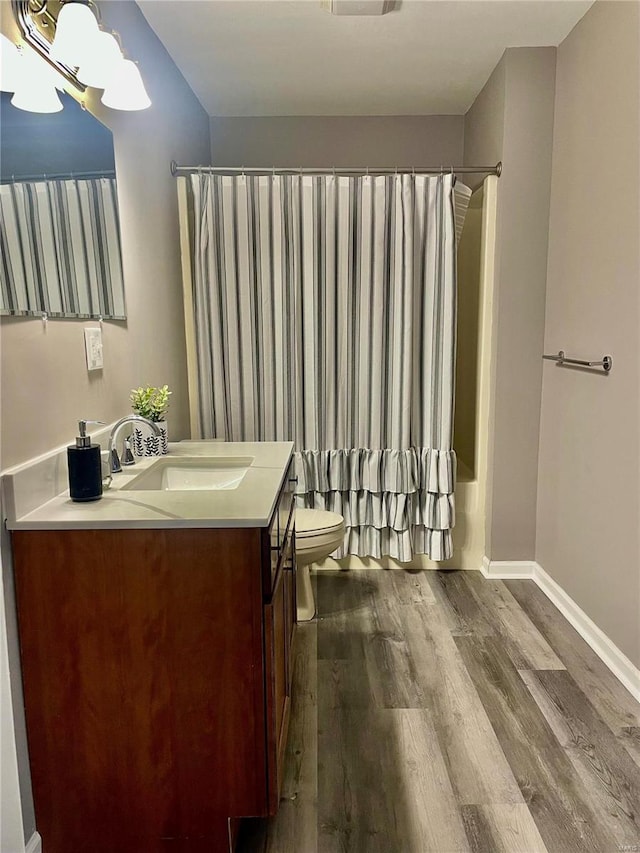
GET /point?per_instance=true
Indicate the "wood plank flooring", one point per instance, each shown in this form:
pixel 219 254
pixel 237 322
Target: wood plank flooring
pixel 437 712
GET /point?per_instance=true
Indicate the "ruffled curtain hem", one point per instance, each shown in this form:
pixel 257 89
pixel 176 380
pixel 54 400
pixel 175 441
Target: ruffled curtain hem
pixel 399 471
pixel 386 509
pixel 395 503
pixel 401 545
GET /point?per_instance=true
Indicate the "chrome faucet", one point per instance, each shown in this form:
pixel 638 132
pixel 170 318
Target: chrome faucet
pixel 114 459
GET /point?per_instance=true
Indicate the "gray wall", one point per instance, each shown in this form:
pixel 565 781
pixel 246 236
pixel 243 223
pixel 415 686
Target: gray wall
pixel 484 123
pixel 45 383
pixel 512 121
pixel 327 141
pixel 589 456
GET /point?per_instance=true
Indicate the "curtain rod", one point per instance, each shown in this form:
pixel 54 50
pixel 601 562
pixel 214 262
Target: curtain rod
pixel 362 170
pixel 56 176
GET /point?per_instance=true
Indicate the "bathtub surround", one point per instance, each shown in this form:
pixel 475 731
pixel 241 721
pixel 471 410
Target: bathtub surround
pixel 325 312
pixel 467 361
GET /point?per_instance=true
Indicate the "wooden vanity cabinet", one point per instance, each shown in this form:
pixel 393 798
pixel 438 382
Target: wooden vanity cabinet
pixel 157 677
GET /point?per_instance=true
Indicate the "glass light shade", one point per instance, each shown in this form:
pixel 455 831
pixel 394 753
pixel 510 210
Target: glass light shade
pixel 125 90
pixel 36 88
pixel 99 66
pixel 37 98
pixel 76 32
pixel 9 65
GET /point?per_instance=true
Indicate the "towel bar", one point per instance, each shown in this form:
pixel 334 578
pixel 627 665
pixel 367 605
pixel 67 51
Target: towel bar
pixel 605 363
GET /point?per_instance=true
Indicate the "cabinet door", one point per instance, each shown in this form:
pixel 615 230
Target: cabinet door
pixel 279 626
pixel 290 605
pixel 144 686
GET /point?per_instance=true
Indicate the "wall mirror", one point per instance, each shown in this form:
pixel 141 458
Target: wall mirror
pixel 60 249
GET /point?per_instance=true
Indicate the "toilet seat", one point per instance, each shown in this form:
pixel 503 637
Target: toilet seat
pixel 316 528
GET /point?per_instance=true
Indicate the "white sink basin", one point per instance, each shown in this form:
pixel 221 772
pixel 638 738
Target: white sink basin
pixel 187 474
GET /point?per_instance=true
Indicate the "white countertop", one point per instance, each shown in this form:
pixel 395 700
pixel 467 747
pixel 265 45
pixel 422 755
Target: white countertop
pixel 251 504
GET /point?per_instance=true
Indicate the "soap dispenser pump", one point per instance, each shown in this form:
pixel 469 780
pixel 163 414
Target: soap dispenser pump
pixel 85 471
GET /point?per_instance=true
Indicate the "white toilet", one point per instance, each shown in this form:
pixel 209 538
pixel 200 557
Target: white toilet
pixel 318 534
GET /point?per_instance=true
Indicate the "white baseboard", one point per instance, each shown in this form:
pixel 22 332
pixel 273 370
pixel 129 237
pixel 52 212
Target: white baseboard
pixel 624 670
pixel 619 664
pixel 508 569
pixel 35 844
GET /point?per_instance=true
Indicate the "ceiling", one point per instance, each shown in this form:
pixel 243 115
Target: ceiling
pixel 271 57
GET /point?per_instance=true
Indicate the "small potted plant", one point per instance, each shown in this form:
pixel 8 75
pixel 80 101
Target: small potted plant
pixel 151 403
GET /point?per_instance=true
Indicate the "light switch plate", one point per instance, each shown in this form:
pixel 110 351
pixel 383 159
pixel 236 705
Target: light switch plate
pixel 93 348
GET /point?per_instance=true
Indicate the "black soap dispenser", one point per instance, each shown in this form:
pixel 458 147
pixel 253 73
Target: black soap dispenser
pixel 85 472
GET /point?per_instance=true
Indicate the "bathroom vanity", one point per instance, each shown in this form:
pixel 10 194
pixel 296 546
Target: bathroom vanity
pixel 156 629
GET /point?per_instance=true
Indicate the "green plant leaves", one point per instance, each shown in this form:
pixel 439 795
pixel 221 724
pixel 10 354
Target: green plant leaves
pixel 150 402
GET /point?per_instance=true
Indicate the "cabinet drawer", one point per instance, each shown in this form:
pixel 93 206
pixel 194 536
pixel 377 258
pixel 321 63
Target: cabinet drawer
pixel 279 528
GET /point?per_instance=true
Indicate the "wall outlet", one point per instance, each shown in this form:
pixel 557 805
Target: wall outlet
pixel 93 348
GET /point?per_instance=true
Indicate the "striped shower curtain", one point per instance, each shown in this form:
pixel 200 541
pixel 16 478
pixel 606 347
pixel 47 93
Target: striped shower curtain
pixel 324 312
pixel 60 248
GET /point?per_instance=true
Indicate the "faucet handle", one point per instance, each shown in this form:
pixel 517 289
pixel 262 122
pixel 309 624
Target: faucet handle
pixel 115 461
pixel 127 455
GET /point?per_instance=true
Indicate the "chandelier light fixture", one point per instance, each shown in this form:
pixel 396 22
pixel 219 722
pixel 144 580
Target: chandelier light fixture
pixel 64 43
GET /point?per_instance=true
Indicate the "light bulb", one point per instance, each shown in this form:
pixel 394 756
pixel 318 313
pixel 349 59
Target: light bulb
pixel 125 90
pixel 76 32
pixel 99 66
pixel 9 65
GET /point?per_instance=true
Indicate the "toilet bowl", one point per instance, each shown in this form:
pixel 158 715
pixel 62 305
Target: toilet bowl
pixel 318 534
